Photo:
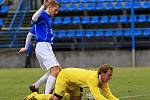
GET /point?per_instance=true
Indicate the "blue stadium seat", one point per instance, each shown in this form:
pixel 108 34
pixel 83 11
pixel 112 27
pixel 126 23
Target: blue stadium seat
pixel 67 20
pixel 123 19
pixel 2 2
pixel 93 1
pixel 1 22
pixel 100 6
pixel 90 6
pixel 66 1
pixel 94 19
pixel 80 7
pixel 71 33
pixel 85 1
pixel 146 32
pixel 108 32
pixel 109 6
pixel 102 0
pixel 99 33
pixel 63 7
pixel 76 1
pixel 120 0
pixel 137 32
pixel 137 5
pixel 118 32
pixel 85 20
pixel 111 0
pixel 128 5
pixel 61 33
pixel 104 19
pixel 146 4
pixel 118 5
pixel 58 20
pixel 72 7
pixel 134 18
pixel 113 19
pixel 4 9
pixel 142 18
pixel 89 33
pixel 80 33
pixel 148 18
pixel 127 32
pixel 59 1
pixel 76 20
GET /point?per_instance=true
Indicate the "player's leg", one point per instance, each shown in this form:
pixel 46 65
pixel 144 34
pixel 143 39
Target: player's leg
pixel 34 87
pixel 51 78
pixel 75 97
pixel 35 96
pixel 40 56
pixel 76 92
pixel 52 65
pixel 60 86
pixel 47 60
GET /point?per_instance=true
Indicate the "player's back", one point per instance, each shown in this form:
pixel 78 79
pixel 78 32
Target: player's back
pixel 78 75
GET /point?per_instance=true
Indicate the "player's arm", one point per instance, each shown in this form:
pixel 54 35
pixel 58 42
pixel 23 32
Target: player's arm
pixel 94 89
pixel 108 93
pixel 28 40
pixel 38 13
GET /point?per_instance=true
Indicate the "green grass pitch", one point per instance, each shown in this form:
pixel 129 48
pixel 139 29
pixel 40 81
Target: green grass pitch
pixel 127 83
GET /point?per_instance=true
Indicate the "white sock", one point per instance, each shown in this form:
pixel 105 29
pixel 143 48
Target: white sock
pixel 49 84
pixel 41 80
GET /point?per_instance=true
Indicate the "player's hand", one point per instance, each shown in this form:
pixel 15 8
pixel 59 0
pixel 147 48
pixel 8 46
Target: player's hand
pixel 22 50
pixel 44 3
pixel 51 98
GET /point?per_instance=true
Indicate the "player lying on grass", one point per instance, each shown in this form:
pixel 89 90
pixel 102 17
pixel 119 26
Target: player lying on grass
pixel 70 80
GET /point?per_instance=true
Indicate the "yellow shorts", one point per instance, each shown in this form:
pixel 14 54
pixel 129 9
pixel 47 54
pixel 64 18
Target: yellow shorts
pixel 63 85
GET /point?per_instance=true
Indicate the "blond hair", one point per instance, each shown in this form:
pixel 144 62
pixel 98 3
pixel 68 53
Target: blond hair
pixel 52 3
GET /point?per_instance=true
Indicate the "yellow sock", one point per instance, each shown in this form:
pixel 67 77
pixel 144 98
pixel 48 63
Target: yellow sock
pixel 42 96
pixel 29 97
pixel 47 96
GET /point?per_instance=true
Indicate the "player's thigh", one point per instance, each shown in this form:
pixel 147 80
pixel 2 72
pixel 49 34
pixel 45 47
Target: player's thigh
pixel 74 90
pixel 60 85
pixel 46 55
pixel 75 97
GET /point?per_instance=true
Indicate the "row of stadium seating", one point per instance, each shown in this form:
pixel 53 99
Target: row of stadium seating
pixel 101 32
pixel 104 6
pixel 68 1
pixel 102 19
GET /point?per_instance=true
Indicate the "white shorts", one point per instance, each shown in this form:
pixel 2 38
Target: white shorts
pixel 45 55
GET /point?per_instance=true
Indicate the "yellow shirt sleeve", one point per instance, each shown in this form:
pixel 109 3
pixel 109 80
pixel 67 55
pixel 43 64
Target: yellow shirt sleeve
pixel 93 86
pixel 105 88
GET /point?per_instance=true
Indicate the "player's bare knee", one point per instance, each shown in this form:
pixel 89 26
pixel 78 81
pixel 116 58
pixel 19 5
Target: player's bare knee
pixel 54 71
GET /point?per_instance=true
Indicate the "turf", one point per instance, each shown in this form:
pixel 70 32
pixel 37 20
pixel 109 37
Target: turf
pixel 127 83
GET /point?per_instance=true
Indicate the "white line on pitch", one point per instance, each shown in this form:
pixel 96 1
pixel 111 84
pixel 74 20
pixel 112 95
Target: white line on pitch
pixel 132 96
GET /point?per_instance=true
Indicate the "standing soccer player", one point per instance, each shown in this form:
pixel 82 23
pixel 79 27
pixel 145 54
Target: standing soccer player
pixel 42 28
